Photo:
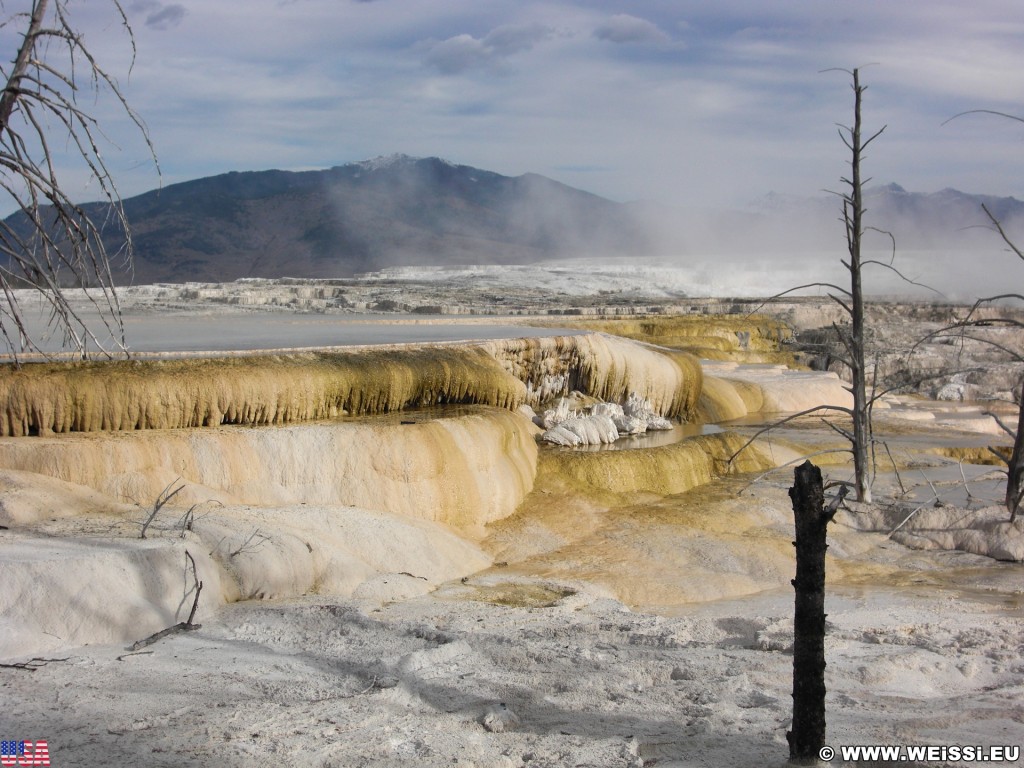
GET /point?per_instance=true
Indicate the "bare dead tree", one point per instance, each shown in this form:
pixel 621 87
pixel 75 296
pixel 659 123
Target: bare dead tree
pixel 168 493
pixel 1015 464
pixel 962 329
pixel 825 412
pixel 853 336
pixel 187 521
pixel 55 244
pixel 251 544
pixel 1015 460
pixel 853 299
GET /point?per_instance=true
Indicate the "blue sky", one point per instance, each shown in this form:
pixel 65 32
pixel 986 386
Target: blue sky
pixel 692 103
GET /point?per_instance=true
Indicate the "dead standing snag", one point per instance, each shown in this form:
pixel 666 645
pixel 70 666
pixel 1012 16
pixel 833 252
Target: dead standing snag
pixel 853 336
pixel 812 518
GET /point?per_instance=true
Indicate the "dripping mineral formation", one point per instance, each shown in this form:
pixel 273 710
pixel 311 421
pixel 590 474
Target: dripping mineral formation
pixel 388 548
pixel 287 461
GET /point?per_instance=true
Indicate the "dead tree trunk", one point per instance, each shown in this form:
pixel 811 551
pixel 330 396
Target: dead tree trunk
pixel 1015 467
pixel 853 211
pixel 812 518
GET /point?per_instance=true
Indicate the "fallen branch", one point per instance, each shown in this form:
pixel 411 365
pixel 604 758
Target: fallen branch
pixel 32 664
pixel 967 488
pixel 124 656
pixel 895 469
pixel 182 626
pixel 937 497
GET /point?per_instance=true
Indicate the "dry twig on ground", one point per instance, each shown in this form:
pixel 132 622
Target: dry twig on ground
pixel 32 664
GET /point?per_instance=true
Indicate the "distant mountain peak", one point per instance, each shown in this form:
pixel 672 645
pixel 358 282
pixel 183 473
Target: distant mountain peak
pixel 890 189
pixel 397 160
pixel 382 162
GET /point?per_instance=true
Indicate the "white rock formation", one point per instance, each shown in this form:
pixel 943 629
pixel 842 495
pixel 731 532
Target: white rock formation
pixel 602 423
pixel 638 408
pixel 560 413
pixel 583 430
pixel 626 425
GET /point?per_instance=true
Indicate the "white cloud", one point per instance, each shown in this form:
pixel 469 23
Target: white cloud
pixel 463 52
pixel 698 103
pixel 513 38
pixel 623 28
pixel 457 54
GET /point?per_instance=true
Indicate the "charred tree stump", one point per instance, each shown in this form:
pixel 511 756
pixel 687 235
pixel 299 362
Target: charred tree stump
pixel 812 518
pixel 1015 466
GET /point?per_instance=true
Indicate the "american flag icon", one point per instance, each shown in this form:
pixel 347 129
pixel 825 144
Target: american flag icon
pixel 24 753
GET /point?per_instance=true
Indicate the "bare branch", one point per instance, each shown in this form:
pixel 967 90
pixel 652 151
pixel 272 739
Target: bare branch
pixel 798 459
pixel 983 112
pixel 1001 425
pixel 161 500
pixel 55 244
pixel 836 428
pixel 1001 231
pixel 868 141
pixel 792 290
pixel 900 275
pixel 776 424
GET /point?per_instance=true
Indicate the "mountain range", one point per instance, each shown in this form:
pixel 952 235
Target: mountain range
pixel 403 211
pixel 354 218
pixel 919 221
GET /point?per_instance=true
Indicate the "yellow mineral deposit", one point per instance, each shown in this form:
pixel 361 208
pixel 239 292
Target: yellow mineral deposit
pixel 378 472
pixel 750 338
pixel 721 400
pixel 282 389
pixel 168 394
pixel 463 471
pixel 666 470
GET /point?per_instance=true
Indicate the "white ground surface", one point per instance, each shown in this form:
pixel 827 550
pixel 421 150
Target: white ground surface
pixel 319 682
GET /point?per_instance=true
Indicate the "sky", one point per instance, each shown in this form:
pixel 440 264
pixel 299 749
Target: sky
pixel 698 104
